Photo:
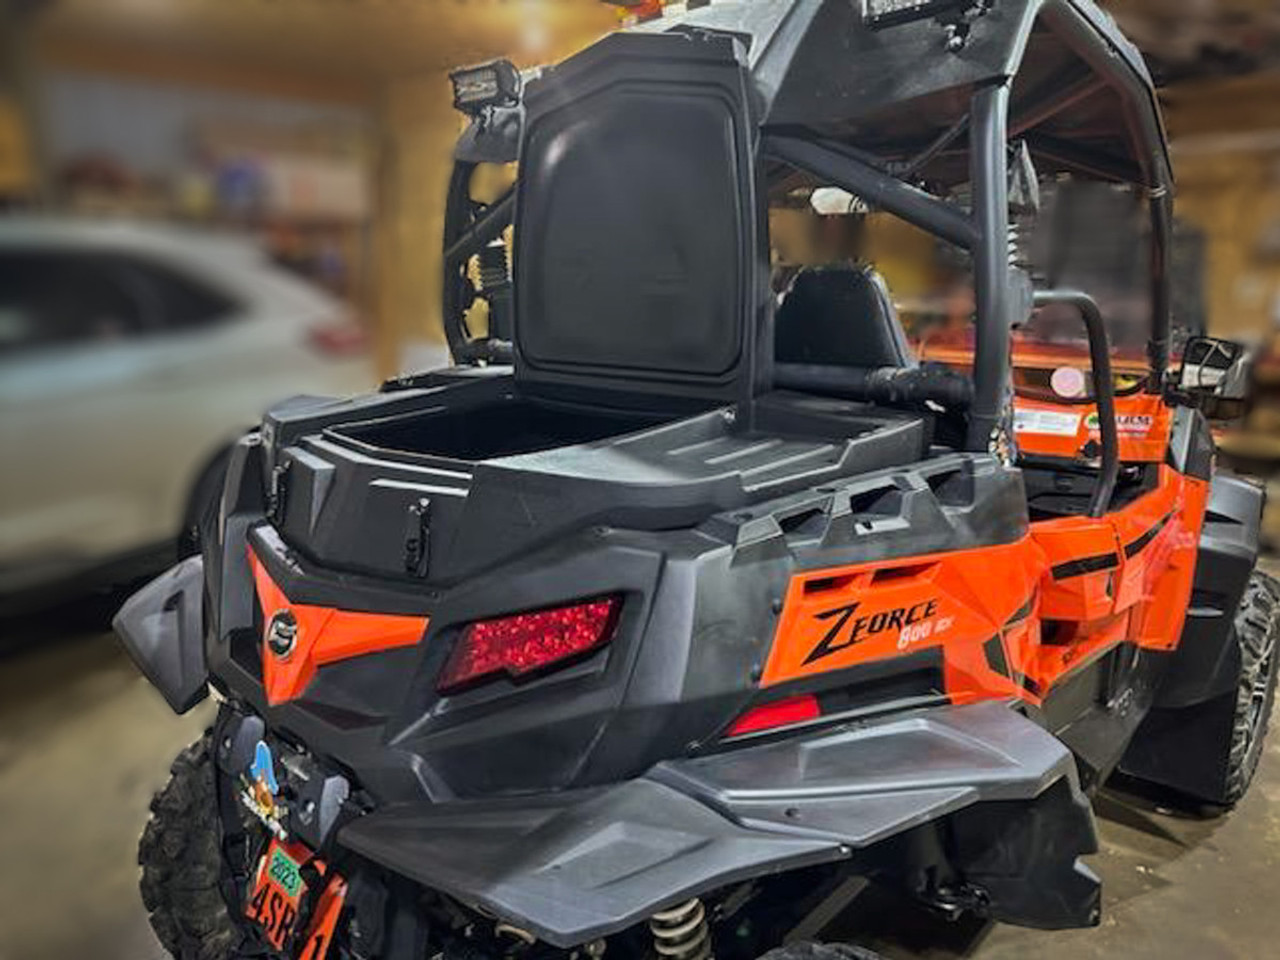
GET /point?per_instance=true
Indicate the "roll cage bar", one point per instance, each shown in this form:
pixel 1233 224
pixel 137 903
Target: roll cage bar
pixel 983 230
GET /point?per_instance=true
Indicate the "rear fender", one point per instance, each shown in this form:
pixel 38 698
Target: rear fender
pixel 162 626
pixel 1183 742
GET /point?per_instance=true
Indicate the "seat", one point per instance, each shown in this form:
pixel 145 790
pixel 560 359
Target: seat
pixel 840 316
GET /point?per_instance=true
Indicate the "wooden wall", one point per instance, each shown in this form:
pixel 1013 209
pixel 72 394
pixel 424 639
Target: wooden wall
pixel 418 127
pixel 1226 137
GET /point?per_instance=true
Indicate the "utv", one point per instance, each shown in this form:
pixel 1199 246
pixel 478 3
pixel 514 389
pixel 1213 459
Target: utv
pixel 682 607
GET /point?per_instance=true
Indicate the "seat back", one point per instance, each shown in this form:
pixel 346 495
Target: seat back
pixel 840 316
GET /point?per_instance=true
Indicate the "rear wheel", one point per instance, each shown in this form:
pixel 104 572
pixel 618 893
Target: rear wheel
pixel 1200 759
pixel 183 869
pixel 1257 630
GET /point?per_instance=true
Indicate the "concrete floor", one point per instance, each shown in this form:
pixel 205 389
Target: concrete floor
pixel 84 742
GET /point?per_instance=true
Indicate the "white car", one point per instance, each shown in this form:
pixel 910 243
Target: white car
pixel 131 357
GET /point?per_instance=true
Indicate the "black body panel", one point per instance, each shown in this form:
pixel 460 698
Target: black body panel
pixel 1191 448
pixel 1096 709
pixel 419 516
pixel 162 626
pixel 573 866
pixel 698 614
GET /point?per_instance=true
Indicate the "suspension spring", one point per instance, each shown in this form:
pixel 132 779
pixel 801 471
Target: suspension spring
pixel 682 933
pixel 495 268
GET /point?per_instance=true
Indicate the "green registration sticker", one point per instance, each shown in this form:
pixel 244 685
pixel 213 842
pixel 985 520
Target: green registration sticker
pixel 285 873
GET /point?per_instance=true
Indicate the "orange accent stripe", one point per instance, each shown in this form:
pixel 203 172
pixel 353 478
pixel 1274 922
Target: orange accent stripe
pixel 325 635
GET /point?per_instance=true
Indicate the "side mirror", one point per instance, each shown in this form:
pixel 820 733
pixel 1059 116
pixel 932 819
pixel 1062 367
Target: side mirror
pixel 1215 368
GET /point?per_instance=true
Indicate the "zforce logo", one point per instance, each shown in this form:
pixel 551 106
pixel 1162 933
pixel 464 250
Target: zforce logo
pixel 912 623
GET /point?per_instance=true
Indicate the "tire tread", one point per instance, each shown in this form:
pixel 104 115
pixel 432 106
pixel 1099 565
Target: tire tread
pixel 181 859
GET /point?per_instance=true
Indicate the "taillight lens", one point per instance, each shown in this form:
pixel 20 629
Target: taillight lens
pixel 780 713
pixel 527 642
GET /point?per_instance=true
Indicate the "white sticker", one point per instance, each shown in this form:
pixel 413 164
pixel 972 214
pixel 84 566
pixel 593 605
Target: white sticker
pixel 919 632
pixel 1052 423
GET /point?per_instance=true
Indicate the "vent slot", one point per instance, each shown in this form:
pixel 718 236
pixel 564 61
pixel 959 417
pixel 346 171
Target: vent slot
pixel 952 488
pixel 878 502
pixel 913 571
pixel 1057 633
pixel 804 524
pixel 828 584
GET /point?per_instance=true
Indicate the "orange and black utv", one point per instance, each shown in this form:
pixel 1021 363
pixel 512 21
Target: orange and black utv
pixel 687 604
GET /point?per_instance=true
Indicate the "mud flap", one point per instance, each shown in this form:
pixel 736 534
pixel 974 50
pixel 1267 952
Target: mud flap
pixel 574 866
pixel 162 626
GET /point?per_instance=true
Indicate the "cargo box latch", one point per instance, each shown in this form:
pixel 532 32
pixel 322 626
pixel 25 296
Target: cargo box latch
pixel 416 538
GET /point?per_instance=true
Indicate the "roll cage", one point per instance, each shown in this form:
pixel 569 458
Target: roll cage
pixel 897 115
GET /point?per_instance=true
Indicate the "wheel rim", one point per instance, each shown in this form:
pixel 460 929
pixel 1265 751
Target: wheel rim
pixel 1259 692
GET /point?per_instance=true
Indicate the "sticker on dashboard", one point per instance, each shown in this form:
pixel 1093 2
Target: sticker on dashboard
pixel 1052 423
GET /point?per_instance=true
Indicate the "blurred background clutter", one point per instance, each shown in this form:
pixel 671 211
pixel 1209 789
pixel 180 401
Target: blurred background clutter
pixel 207 206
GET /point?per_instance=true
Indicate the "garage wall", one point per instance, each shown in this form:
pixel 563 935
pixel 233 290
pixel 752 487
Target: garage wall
pixel 1226 148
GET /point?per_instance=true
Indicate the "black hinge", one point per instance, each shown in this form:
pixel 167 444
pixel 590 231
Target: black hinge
pixel 417 550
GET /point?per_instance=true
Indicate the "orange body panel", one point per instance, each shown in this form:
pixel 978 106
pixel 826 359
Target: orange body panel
pixel 957 351
pixel 1015 620
pixel 1163 569
pixel 844 616
pixel 1063 430
pixel 324 635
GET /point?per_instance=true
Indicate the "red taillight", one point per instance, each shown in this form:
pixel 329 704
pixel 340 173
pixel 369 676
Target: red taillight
pixel 527 642
pixel 780 713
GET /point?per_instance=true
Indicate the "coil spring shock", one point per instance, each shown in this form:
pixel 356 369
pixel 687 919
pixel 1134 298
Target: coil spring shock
pixel 495 270
pixel 682 933
pixel 495 287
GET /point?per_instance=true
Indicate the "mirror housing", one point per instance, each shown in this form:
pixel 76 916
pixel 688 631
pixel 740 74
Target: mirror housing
pixel 1215 368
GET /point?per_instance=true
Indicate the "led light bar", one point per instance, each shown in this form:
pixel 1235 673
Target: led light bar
pixel 495 84
pixel 884 13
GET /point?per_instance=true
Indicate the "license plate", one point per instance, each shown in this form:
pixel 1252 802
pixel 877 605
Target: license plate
pixel 277 897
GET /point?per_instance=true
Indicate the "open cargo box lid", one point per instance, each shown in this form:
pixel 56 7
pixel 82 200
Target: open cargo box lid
pixel 635 240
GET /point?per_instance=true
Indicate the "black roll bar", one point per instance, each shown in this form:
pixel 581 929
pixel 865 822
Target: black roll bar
pixel 843 167
pixel 1103 390
pixel 1161 313
pixel 988 159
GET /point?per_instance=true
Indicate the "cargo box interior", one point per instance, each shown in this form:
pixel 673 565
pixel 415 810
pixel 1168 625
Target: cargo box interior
pixel 497 428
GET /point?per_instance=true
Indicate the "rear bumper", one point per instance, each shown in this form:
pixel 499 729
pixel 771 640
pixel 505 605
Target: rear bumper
pixel 578 865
